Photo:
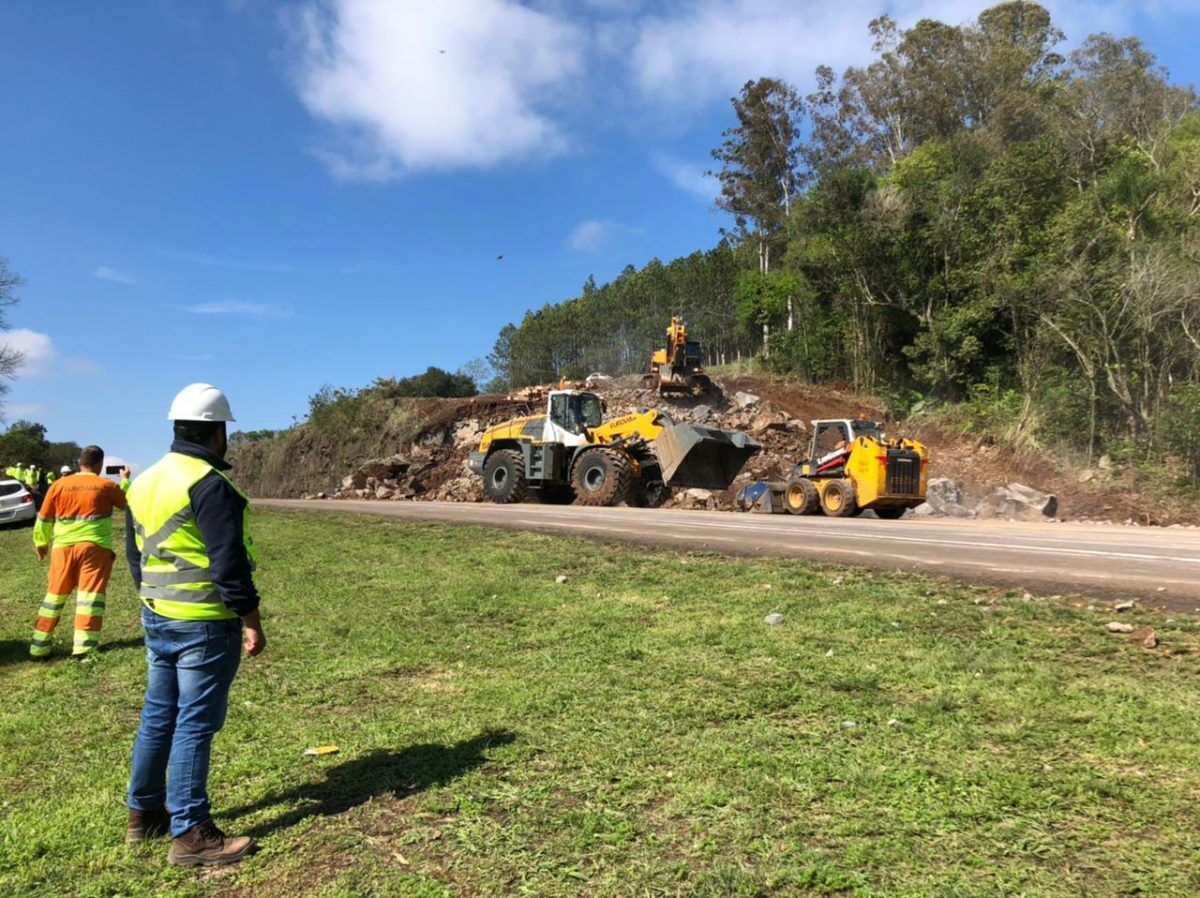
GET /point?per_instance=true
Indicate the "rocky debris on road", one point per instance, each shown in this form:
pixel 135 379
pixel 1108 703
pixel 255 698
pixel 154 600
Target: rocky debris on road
pixel 1017 502
pixel 433 466
pixel 1014 502
pixel 943 498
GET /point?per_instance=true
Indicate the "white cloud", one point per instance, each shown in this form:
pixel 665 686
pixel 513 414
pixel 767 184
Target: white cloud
pixel 105 273
pixel 699 52
pixel 215 262
pixel 689 177
pixel 594 234
pixel 458 83
pixel 37 351
pixel 261 310
pixel 40 356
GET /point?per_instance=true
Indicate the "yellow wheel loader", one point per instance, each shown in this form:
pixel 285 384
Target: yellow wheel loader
pixel 852 466
pixel 570 455
pixel 677 368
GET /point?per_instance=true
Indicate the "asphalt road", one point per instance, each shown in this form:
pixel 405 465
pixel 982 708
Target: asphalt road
pixel 1160 566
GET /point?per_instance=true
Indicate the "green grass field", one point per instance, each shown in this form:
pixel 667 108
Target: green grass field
pixel 635 731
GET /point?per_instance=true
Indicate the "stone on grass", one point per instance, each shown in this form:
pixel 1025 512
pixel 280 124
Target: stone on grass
pixel 773 620
pixel 560 579
pixel 1145 636
pixel 1118 627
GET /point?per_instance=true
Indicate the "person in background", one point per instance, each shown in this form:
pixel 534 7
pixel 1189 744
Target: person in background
pixel 192 558
pixel 76 519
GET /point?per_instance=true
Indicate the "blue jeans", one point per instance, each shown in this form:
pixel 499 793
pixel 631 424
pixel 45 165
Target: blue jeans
pixel 192 665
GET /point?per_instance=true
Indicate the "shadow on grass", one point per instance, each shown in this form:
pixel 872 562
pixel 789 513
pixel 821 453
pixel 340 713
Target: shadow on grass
pixel 398 773
pixel 16 651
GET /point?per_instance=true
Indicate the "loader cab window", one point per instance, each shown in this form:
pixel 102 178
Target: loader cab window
pixel 868 429
pixel 575 412
pixel 831 436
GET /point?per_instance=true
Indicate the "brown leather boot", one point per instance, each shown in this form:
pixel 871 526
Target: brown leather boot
pixel 145 825
pixel 204 845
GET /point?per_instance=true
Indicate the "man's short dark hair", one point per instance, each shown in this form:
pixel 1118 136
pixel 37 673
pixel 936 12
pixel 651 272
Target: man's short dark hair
pixel 91 457
pixel 200 432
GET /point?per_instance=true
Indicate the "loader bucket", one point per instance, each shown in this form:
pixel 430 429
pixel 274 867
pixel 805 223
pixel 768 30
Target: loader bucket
pixel 702 457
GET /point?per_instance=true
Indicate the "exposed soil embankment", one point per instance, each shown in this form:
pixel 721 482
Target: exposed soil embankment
pixel 416 449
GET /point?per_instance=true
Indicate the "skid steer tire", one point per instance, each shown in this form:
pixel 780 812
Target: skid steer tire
pixel 837 499
pixel 504 477
pixel 555 494
pixel 889 514
pixel 802 496
pixel 601 477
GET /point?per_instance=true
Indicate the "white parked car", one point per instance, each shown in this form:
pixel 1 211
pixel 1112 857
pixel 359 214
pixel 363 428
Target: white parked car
pixel 16 503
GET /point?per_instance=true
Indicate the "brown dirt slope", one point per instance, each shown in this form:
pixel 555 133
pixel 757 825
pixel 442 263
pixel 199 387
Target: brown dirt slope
pixel 426 442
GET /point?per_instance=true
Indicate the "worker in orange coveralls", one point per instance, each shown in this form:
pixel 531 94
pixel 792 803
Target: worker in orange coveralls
pixel 76 516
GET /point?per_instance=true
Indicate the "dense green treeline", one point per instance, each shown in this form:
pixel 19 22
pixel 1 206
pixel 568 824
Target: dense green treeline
pixel 970 217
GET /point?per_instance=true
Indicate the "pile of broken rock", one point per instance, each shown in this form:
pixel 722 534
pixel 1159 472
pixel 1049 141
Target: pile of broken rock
pixel 1014 502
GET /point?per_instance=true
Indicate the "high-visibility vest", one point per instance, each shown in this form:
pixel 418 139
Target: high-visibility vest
pixel 176 582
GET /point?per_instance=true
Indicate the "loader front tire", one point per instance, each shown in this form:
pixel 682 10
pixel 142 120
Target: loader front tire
pixel 837 499
pixel 504 477
pixel 802 496
pixel 601 477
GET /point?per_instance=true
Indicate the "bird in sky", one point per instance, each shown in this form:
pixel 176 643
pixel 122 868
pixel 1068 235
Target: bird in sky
pixel 500 258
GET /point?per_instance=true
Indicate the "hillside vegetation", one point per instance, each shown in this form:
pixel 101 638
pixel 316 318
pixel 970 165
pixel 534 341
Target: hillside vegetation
pixel 973 217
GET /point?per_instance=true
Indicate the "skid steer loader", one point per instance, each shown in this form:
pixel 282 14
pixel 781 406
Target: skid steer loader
pixel 852 466
pixel 570 455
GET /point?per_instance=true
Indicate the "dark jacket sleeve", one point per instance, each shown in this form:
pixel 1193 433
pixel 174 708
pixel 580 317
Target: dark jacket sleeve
pixel 219 512
pixel 132 555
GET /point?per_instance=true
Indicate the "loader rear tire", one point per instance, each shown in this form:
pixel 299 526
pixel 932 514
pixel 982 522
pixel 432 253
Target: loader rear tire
pixel 801 496
pixel 504 477
pixel 837 499
pixel 601 477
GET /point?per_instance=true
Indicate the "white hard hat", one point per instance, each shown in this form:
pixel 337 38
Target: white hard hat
pixel 200 402
pixel 65 469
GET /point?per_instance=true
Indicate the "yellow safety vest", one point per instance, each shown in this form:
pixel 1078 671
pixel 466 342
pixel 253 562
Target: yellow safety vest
pixel 176 581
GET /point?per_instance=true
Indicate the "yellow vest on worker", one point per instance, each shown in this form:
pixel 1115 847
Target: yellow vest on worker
pixel 176 581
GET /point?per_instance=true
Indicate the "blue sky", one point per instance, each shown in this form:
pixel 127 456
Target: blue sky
pixel 275 196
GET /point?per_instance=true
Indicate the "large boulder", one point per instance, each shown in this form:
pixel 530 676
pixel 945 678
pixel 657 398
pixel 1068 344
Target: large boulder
pixel 745 400
pixel 1018 502
pixel 943 498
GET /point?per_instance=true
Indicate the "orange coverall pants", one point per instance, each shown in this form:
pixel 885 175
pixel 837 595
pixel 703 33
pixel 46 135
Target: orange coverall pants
pixel 84 569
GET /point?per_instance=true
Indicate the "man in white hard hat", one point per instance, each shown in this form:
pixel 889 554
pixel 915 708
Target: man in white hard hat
pixel 192 558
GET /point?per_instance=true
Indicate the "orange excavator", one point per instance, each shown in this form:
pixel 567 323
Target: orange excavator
pixel 677 368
